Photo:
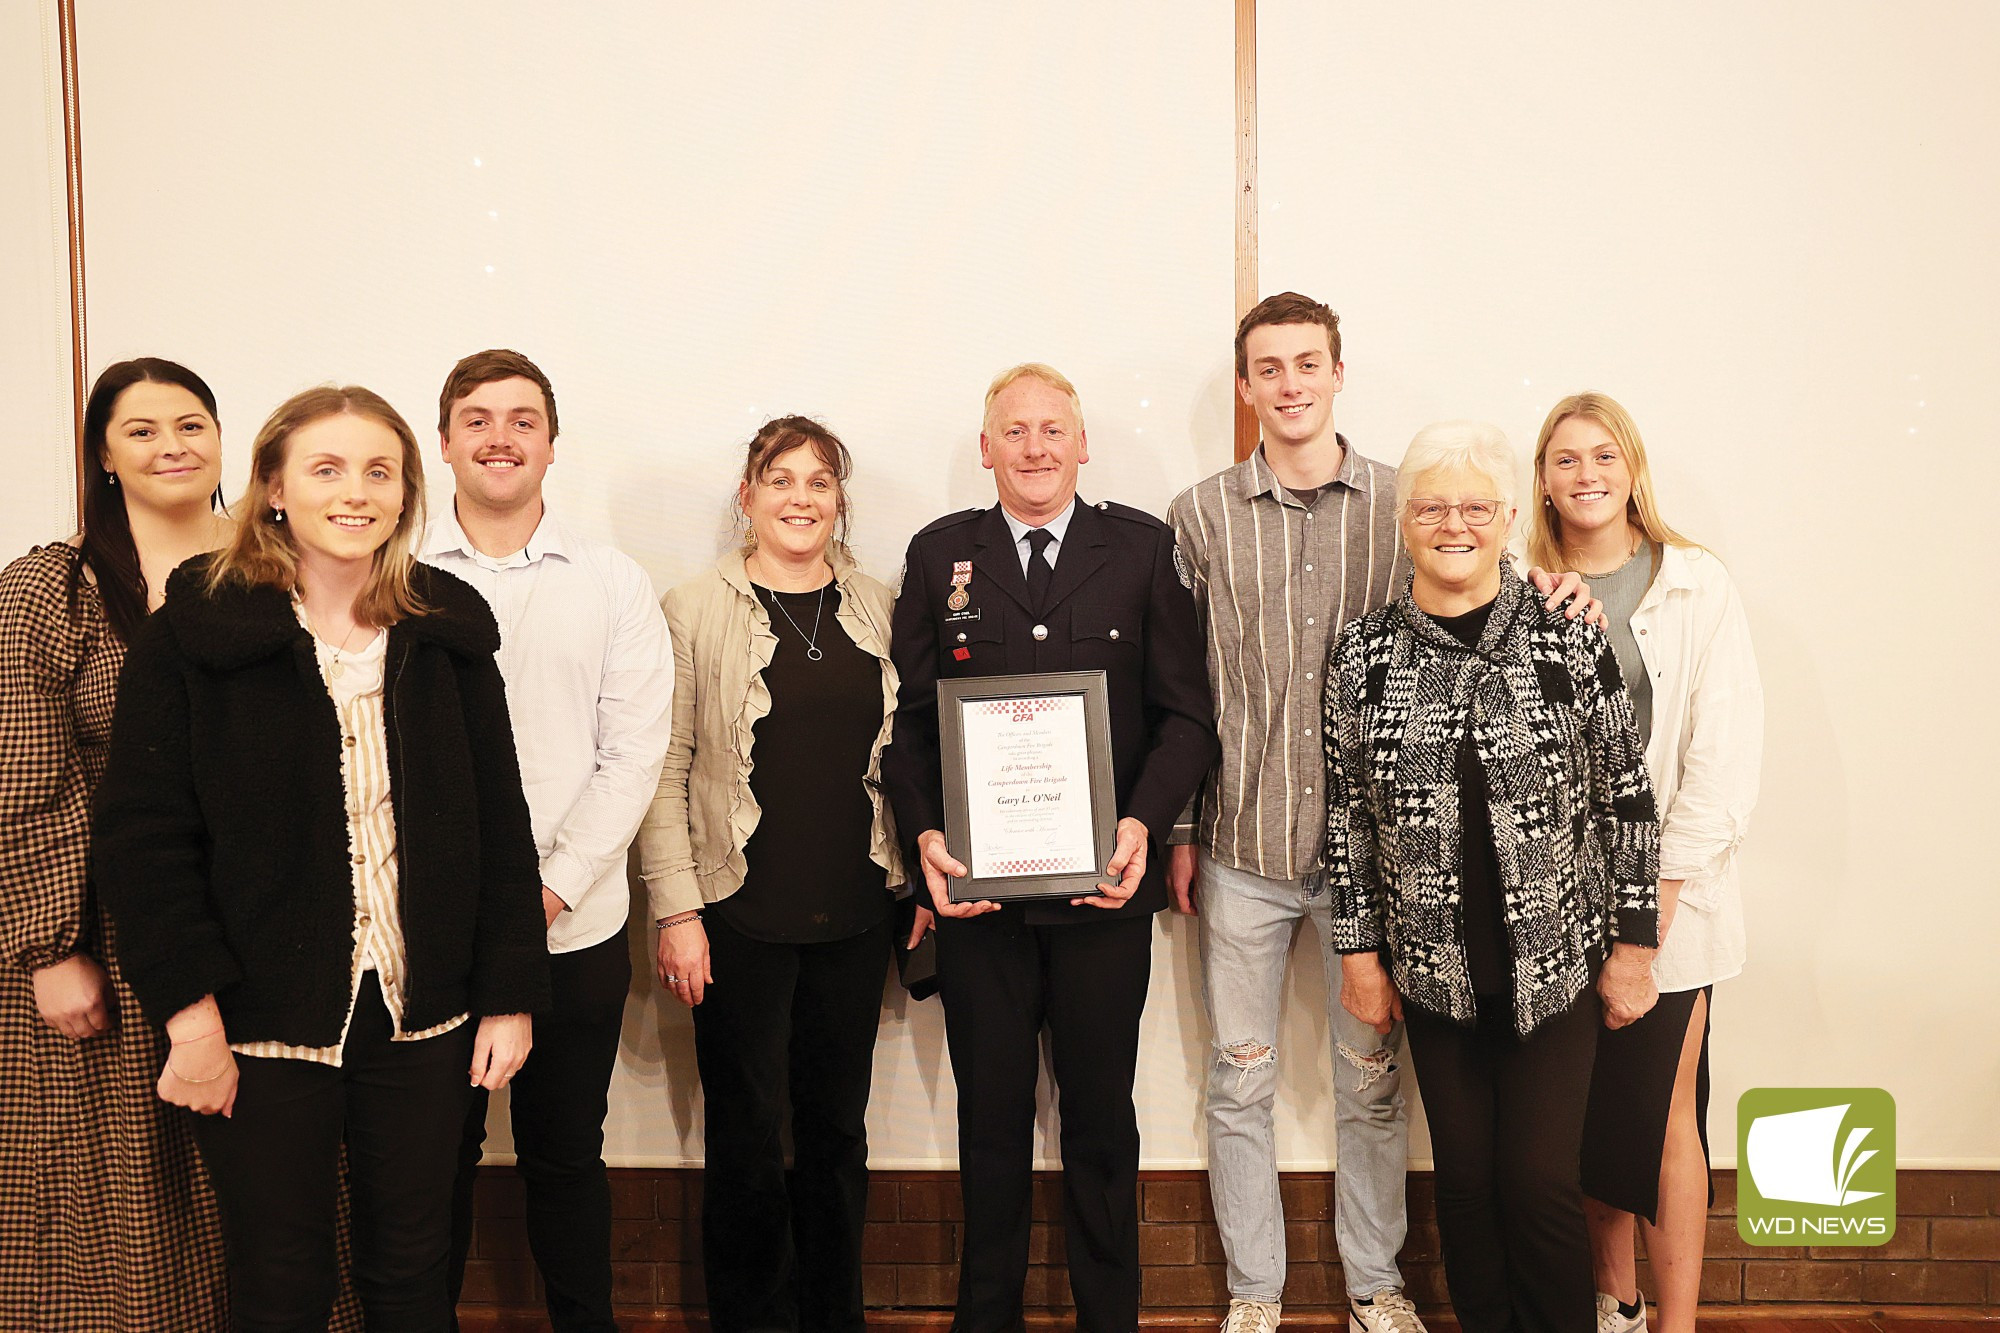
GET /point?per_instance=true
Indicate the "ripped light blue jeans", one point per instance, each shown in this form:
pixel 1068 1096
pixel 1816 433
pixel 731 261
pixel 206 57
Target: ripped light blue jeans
pixel 1246 926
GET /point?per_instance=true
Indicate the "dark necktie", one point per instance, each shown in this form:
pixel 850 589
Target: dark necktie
pixel 1039 571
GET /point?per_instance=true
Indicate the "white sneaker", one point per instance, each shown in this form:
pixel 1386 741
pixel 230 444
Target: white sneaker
pixel 1610 1321
pixel 1387 1311
pixel 1251 1317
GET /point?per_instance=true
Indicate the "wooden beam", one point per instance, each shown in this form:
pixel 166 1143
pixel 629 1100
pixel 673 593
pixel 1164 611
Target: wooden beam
pixel 79 361
pixel 1246 197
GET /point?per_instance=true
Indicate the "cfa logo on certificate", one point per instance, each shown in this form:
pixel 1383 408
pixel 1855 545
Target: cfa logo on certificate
pixel 1816 1166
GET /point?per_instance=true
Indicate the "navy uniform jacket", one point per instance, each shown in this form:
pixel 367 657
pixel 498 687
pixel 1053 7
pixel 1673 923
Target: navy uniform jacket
pixel 1115 602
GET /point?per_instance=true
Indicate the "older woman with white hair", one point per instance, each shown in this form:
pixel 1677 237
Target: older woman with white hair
pixel 1494 854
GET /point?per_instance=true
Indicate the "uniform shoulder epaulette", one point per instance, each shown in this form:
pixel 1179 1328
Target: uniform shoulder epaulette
pixel 950 521
pixel 1112 509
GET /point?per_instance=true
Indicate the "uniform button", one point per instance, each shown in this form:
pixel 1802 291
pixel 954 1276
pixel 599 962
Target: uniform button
pixel 360 860
pixel 363 917
pixel 1309 620
pixel 1040 631
pixel 1642 631
pixel 1104 504
pixel 1309 569
pixel 1309 675
pixel 1114 634
pixel 961 636
pixel 347 740
pixel 1309 791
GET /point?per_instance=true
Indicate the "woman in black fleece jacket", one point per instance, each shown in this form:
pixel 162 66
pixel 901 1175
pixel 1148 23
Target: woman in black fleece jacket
pixel 312 837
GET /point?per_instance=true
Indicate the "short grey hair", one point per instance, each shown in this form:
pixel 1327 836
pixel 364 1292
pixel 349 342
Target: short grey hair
pixel 1454 446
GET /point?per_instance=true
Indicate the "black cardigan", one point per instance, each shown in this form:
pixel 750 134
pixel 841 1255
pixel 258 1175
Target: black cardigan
pixel 220 840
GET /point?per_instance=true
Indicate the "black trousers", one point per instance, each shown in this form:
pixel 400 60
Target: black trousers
pixel 556 1107
pixel 1506 1120
pixel 1002 982
pixel 786 1026
pixel 275 1165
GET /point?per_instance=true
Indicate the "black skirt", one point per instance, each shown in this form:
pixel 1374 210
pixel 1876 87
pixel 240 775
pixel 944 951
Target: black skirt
pixel 1631 1091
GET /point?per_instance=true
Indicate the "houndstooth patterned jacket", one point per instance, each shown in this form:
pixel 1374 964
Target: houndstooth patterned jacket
pixel 1574 828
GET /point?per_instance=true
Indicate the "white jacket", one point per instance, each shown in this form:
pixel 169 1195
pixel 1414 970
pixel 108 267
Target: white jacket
pixel 1705 753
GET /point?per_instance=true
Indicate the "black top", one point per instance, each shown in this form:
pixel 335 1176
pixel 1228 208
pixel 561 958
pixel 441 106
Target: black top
pixel 1482 908
pixel 810 878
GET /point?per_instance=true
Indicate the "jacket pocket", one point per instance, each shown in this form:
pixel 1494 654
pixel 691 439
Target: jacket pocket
pixel 1112 625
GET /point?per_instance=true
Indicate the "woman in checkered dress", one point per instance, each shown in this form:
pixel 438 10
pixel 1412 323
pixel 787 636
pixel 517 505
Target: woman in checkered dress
pixel 105 1218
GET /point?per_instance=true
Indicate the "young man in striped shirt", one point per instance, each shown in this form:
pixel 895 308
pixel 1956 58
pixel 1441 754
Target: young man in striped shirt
pixel 1283 549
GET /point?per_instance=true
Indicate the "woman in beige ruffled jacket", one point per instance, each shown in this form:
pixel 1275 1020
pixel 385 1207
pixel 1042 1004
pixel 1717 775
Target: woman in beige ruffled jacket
pixel 770 859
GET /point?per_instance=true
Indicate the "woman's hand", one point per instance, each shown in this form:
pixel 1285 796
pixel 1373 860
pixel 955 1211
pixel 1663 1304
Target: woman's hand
pixel 74 997
pixel 1367 992
pixel 1626 985
pixel 939 870
pixel 683 960
pixel 201 1070
pixel 921 926
pixel 499 1048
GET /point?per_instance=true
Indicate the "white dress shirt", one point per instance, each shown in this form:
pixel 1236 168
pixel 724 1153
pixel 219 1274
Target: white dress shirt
pixel 590 680
pixel 1705 755
pixel 1055 527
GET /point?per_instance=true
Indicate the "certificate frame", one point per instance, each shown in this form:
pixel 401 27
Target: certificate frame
pixel 954 697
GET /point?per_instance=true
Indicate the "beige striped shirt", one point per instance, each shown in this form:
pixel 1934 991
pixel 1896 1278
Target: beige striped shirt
pixel 1275 581
pixel 356 687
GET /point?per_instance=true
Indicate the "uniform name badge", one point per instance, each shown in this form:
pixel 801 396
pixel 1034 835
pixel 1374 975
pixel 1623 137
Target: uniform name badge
pixel 1030 805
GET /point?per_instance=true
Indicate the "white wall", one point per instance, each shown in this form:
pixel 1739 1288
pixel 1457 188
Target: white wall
pixel 40 491
pixel 1768 230
pixel 1764 227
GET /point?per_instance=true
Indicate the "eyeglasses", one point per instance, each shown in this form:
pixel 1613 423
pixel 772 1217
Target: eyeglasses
pixel 1476 513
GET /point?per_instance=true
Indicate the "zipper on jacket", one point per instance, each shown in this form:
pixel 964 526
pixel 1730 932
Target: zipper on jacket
pixel 399 794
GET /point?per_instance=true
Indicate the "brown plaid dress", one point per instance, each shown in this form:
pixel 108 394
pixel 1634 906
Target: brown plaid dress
pixel 106 1222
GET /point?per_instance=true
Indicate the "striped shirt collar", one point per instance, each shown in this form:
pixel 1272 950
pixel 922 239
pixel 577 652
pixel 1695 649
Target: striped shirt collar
pixel 1253 476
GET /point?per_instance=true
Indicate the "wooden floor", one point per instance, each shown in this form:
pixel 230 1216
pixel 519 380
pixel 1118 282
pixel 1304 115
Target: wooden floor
pixel 1725 1319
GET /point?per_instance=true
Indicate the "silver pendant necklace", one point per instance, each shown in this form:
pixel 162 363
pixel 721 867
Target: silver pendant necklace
pixel 333 668
pixel 813 653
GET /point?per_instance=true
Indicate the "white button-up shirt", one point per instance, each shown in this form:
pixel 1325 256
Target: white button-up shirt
pixel 590 680
pixel 1706 754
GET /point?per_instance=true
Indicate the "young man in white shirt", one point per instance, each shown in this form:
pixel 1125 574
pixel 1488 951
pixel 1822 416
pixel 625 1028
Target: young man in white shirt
pixel 589 671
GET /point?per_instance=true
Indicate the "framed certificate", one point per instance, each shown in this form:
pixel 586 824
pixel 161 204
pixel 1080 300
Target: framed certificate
pixel 1029 803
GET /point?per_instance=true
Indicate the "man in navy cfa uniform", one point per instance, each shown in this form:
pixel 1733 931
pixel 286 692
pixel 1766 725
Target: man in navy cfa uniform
pixel 1045 582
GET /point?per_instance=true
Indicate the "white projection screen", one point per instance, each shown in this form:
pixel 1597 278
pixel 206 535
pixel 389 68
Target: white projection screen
pixel 1764 226
pixel 696 217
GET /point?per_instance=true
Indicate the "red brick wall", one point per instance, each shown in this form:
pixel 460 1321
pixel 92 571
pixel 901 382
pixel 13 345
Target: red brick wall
pixel 1946 1250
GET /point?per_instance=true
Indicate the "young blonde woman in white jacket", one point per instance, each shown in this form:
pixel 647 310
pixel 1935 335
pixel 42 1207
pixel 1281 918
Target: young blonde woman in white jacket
pixel 1683 646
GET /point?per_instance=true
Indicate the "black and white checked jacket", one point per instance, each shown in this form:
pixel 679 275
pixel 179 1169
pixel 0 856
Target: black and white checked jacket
pixel 1574 827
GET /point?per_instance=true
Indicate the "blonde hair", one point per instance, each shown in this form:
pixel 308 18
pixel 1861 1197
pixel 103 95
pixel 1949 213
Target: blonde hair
pixel 1047 374
pixel 1452 446
pixel 264 551
pixel 1545 534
